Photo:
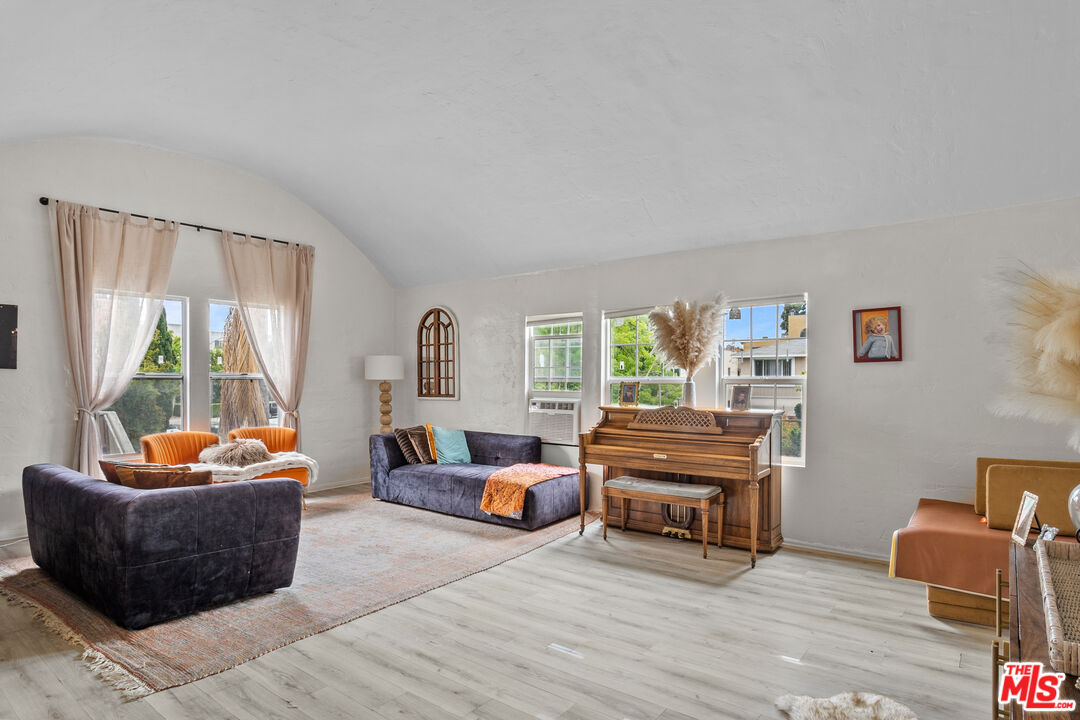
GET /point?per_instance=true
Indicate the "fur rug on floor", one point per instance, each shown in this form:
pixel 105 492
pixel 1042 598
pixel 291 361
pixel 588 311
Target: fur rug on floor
pixel 845 706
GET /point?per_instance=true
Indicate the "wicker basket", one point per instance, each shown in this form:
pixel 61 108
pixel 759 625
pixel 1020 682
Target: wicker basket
pixel 1059 577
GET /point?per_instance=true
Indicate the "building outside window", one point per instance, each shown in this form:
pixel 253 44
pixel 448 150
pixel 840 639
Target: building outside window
pixel 764 346
pixel 154 400
pixel 630 358
pixel 239 395
pixel 555 355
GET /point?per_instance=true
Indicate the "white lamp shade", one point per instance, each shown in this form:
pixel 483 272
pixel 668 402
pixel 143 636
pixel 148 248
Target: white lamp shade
pixel 384 367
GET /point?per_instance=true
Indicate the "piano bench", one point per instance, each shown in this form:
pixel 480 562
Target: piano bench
pixel 691 495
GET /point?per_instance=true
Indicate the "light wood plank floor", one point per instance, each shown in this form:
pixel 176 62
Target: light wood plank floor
pixel 637 627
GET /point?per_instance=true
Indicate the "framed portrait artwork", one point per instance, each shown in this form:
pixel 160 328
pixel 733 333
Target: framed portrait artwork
pixel 740 397
pixel 1024 516
pixel 876 335
pixel 628 393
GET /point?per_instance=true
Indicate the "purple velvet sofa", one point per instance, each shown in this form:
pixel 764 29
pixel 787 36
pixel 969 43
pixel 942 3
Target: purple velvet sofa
pixel 457 489
pixel 144 556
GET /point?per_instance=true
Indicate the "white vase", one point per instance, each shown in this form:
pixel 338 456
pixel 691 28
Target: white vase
pixel 689 394
pixel 1074 508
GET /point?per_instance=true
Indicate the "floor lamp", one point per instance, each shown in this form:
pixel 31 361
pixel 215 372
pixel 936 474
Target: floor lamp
pixel 384 368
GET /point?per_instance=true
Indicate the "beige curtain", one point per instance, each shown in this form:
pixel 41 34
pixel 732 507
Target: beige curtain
pixel 114 272
pixel 272 283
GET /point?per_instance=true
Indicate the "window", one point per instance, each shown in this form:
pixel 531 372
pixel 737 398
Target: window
pixel 154 400
pixel 630 358
pixel 436 355
pixel 764 346
pixel 239 395
pixel 555 353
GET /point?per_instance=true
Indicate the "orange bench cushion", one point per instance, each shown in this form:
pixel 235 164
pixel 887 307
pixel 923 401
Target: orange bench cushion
pixel 947 544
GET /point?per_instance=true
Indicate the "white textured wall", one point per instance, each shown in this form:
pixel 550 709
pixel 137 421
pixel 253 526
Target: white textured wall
pixel 351 316
pixel 879 436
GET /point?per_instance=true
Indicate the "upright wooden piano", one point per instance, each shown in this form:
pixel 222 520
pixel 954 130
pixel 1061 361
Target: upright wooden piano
pixel 740 449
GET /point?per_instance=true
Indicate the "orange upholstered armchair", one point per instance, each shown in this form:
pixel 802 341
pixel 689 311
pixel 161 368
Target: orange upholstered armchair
pixel 176 448
pixel 276 439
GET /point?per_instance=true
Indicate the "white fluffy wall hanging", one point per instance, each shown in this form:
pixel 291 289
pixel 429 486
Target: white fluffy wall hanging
pixel 1043 349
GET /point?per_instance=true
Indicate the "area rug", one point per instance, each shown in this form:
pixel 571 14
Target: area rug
pixel 357 555
pixel 845 706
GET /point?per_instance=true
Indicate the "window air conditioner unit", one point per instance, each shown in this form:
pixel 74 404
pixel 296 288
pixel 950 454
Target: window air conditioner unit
pixel 555 420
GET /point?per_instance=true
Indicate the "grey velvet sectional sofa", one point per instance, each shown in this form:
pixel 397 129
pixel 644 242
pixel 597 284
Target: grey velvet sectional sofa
pixel 457 489
pixel 144 556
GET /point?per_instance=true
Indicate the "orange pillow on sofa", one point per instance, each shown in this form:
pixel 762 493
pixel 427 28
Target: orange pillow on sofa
pixel 108 467
pixel 159 478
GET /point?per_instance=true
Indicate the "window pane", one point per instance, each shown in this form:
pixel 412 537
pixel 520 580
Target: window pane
pixel 149 405
pixel 575 328
pixel 236 403
pixel 623 331
pixel 791 437
pixel 575 372
pixel 542 353
pixel 540 386
pixel 614 393
pixel 671 395
pixel 793 320
pixel 560 329
pixel 648 365
pixel 558 353
pixel 649 394
pixel 540 373
pixel 622 361
pixel 762 397
pixel 164 353
pixel 229 348
pixel 736 359
pixel 558 386
pixel 737 328
pixel 542 330
pixel 573 386
pixel 574 357
pixel 765 318
pixel 644 330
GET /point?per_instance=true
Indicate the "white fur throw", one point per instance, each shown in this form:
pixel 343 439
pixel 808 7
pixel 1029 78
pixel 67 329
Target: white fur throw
pixel 279 461
pixel 239 453
pixel 846 706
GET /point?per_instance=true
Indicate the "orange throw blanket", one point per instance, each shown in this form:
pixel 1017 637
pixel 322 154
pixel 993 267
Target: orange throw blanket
pixel 504 493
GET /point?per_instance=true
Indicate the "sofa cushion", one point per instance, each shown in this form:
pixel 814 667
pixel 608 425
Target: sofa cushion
pixel 419 438
pixel 1005 485
pixel 983 464
pixel 449 446
pixel 160 478
pixel 108 468
pixel 407 449
pixel 947 544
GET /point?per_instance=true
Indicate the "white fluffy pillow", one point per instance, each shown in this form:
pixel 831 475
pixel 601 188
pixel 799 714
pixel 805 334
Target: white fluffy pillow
pixel 239 453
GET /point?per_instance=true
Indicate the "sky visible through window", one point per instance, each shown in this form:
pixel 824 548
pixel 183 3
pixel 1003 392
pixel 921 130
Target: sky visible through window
pixel 218 313
pixel 764 324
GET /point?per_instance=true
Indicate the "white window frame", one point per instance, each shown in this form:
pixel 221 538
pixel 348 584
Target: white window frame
pixel 226 375
pixel 724 383
pixel 530 352
pixel 610 379
pixel 185 401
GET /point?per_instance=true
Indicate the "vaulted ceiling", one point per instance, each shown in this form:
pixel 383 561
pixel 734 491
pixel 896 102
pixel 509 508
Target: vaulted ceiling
pixel 453 139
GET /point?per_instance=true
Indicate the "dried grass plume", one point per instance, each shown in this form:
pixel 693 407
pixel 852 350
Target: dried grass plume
pixel 685 334
pixel 1044 350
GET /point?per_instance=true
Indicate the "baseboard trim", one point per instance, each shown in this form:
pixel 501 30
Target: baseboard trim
pixel 348 482
pixel 832 550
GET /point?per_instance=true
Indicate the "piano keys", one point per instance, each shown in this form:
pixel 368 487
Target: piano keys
pixel 740 449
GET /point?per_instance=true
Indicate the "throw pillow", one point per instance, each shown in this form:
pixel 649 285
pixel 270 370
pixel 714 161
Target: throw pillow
pixel 419 439
pixel 108 467
pixel 238 453
pixel 125 472
pixel 160 478
pixel 407 449
pixel 449 445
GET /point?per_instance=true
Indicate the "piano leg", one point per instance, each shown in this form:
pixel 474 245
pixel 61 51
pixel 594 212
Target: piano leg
pixel 755 489
pixel 581 496
pixel 605 501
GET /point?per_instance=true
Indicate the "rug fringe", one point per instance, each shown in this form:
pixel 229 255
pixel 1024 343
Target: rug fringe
pixel 116 675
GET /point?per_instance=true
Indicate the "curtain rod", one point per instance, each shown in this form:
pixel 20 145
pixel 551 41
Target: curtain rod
pixel 45 201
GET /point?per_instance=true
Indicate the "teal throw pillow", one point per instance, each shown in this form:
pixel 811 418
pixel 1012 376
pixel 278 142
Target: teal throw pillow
pixel 450 446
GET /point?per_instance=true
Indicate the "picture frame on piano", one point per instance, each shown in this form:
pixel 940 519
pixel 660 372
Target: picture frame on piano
pixel 740 397
pixel 628 394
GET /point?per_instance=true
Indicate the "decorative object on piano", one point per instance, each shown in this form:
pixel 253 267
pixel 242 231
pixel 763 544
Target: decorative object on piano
pixel 685 336
pixel 1024 515
pixel 628 394
pixel 1074 510
pixel 9 336
pixel 876 335
pixel 846 706
pixel 740 397
pixel 1043 349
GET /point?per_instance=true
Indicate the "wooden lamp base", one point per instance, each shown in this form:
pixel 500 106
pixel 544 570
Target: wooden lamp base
pixel 384 407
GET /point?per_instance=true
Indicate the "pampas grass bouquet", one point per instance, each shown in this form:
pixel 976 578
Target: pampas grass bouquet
pixel 685 336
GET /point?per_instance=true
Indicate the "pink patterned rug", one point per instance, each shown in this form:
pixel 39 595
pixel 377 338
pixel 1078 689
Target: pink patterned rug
pixel 357 555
